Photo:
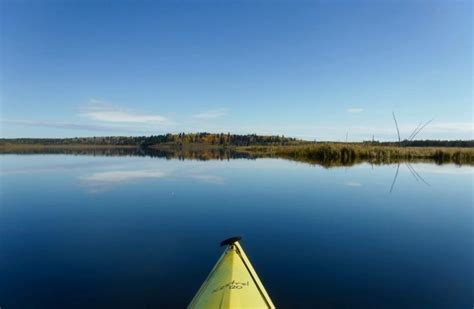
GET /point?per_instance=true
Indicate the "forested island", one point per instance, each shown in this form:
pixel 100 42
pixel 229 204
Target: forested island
pixel 211 145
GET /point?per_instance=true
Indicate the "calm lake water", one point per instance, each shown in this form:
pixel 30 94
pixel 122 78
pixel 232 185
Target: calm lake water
pixel 141 232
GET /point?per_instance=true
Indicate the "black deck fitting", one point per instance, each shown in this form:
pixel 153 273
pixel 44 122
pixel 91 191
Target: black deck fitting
pixel 230 241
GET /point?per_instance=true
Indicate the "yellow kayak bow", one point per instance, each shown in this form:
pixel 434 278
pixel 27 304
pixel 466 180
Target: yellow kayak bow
pixel 232 283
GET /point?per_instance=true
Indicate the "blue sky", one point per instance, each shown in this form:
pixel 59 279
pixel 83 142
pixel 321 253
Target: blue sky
pixel 313 69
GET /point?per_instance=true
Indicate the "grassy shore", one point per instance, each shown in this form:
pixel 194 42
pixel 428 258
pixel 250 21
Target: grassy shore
pixel 327 154
pixel 347 153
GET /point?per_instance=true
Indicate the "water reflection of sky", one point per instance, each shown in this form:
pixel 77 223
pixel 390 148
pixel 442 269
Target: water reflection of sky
pixel 98 174
pixel 124 224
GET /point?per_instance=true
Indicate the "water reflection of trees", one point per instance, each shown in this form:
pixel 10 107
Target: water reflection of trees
pixel 221 154
pixel 201 155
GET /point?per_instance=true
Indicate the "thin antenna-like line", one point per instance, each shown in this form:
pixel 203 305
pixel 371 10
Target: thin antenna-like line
pixel 396 125
pixel 419 130
pixel 411 171
pixel 419 176
pixel 395 178
pixel 415 133
pixel 412 133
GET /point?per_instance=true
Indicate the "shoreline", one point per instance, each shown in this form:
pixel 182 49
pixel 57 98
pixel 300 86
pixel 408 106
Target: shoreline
pixel 328 154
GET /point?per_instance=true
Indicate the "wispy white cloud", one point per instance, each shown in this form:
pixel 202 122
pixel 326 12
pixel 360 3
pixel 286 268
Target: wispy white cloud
pixel 107 180
pixel 443 127
pixel 59 125
pixel 112 128
pixel 211 114
pixel 354 110
pixel 435 130
pixel 123 176
pixel 105 112
pixel 104 181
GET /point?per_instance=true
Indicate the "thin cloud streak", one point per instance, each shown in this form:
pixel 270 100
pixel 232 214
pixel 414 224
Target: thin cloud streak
pixel 105 181
pixel 355 110
pixel 117 120
pixel 105 112
pixel 443 127
pixel 111 129
pixel 123 176
pixel 338 132
pixel 320 132
pixel 60 125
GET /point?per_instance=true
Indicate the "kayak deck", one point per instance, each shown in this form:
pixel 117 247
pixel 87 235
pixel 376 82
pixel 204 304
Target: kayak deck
pixel 232 283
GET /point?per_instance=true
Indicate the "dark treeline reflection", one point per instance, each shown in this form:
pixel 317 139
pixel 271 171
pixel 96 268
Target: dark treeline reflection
pixel 200 155
pixel 220 154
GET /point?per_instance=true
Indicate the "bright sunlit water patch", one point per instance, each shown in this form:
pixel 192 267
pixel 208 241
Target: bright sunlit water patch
pixel 83 231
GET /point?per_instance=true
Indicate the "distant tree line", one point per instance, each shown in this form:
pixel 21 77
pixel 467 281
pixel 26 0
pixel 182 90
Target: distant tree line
pixel 223 139
pixel 103 140
pixel 219 139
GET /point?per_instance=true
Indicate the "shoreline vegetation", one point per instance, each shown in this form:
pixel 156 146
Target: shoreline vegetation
pixel 207 146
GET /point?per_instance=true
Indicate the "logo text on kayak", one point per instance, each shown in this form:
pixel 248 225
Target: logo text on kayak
pixel 232 285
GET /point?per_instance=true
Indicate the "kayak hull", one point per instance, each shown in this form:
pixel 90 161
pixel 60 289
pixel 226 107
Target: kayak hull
pixel 232 283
